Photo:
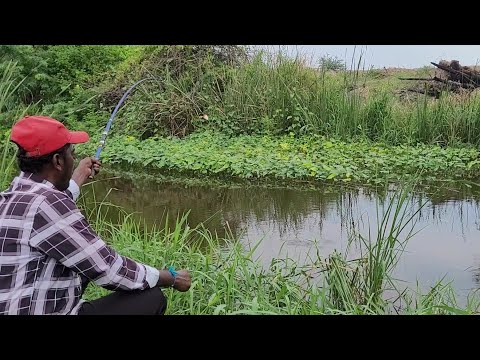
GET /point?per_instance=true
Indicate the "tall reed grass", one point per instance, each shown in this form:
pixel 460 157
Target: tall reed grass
pixel 227 278
pixel 8 86
pixel 277 94
pixel 281 94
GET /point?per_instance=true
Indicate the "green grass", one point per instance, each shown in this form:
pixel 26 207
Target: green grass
pixel 270 94
pixel 281 95
pixel 8 85
pixel 228 279
pixel 275 95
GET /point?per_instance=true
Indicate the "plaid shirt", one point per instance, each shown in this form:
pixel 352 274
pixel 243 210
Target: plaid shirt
pixel 47 249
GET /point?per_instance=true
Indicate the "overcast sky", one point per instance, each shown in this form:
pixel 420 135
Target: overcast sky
pixel 379 56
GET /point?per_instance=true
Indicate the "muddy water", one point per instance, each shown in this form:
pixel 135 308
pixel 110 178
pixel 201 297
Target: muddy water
pixel 296 222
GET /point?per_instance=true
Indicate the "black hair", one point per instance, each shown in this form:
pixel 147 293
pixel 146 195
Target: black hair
pixel 36 164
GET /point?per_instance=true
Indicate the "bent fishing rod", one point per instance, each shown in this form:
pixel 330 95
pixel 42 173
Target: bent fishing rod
pixel 110 121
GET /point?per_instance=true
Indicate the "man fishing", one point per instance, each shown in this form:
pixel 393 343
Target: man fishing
pixel 48 251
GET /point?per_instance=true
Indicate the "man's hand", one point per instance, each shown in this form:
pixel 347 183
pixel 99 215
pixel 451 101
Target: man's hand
pixel 182 281
pixel 84 170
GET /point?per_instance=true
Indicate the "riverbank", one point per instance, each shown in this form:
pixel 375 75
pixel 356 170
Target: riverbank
pixel 227 279
pixel 306 158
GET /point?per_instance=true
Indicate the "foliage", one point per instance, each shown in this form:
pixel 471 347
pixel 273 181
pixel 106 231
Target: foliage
pixel 233 90
pixel 328 62
pixel 313 158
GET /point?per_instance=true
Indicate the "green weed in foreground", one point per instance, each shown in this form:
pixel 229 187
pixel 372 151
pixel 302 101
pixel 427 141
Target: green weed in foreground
pixel 227 279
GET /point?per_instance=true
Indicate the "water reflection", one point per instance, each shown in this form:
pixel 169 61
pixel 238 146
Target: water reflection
pixel 293 221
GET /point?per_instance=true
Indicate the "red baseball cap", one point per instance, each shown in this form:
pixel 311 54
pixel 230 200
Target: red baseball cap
pixel 41 135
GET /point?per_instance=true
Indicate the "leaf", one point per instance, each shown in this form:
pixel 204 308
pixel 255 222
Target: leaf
pixel 255 305
pixel 219 309
pixel 452 310
pixel 213 299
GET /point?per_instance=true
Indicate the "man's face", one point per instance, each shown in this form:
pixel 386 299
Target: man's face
pixel 67 171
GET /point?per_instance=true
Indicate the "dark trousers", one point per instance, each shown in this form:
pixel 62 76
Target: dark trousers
pixel 138 302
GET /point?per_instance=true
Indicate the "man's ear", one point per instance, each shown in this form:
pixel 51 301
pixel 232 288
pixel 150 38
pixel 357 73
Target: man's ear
pixel 58 162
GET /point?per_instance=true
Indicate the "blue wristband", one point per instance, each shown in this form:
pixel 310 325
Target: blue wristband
pixel 172 271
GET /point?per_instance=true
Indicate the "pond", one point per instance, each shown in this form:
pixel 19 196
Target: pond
pixel 297 222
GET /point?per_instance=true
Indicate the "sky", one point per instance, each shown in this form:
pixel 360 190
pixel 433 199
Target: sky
pixel 379 56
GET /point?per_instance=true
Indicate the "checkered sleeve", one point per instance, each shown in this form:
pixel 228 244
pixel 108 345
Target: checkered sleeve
pixel 61 231
pixel 73 190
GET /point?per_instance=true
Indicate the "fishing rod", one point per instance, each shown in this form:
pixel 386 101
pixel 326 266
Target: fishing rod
pixel 110 121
